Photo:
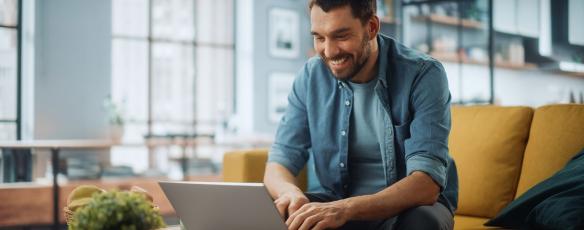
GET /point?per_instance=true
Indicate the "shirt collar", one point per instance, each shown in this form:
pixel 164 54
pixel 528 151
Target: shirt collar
pixel 381 59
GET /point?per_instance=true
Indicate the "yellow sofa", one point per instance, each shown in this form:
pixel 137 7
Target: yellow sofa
pixel 500 153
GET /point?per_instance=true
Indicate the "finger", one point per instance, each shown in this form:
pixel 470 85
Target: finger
pixel 299 219
pixel 321 225
pixel 292 216
pixel 282 205
pixel 310 221
pixel 294 206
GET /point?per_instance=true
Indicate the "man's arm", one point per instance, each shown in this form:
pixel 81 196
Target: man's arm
pixel 282 186
pixel 412 191
pixel 289 152
pixel 415 190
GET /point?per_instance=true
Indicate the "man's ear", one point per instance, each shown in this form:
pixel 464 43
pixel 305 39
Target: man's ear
pixel 373 27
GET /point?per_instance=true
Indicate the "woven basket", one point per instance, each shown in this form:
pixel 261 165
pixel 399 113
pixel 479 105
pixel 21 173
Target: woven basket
pixel 69 214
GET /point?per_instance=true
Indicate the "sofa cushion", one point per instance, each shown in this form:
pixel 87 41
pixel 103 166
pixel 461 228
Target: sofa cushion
pixel 555 203
pixel 470 223
pixel 245 165
pixel 487 143
pixel 557 132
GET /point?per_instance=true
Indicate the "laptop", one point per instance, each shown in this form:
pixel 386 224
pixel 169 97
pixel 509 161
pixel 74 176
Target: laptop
pixel 220 205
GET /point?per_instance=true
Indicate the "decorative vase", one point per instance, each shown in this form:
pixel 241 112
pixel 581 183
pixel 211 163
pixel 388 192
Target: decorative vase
pixel 116 133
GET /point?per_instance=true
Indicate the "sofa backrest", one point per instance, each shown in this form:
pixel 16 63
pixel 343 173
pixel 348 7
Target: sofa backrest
pixel 557 134
pixel 487 143
pixel 249 166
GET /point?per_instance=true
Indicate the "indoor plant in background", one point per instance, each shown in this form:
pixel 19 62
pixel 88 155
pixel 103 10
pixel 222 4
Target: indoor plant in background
pixel 116 119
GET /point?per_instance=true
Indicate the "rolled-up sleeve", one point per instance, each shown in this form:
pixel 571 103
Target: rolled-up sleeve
pixel 290 148
pixel 427 148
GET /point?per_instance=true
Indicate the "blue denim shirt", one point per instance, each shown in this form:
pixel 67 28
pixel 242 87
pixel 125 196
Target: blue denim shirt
pixel 412 132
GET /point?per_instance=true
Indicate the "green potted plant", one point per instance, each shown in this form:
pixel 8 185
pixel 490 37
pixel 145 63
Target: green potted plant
pixel 124 210
pixel 116 119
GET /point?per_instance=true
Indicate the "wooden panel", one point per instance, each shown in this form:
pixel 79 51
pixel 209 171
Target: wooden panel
pixel 25 205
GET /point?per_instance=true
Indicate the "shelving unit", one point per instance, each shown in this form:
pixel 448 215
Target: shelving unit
pixel 464 33
pixel 450 21
pixel 455 16
pixel 389 17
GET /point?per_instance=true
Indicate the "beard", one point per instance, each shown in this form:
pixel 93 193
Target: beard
pixel 356 62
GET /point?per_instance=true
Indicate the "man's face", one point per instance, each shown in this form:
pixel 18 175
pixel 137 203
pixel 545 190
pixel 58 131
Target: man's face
pixel 341 40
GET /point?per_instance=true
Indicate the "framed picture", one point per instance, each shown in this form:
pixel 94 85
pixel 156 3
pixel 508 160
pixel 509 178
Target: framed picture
pixel 279 87
pixel 284 32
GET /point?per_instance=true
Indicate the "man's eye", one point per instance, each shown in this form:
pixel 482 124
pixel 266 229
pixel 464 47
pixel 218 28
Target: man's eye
pixel 320 39
pixel 342 37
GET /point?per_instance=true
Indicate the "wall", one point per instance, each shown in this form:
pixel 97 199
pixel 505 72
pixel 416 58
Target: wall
pixel 72 69
pixel 72 74
pixel 255 64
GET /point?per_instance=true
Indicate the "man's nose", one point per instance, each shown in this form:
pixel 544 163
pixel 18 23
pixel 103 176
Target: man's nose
pixel 331 49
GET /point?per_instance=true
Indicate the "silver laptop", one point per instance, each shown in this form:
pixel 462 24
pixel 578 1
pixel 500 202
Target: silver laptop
pixel 209 205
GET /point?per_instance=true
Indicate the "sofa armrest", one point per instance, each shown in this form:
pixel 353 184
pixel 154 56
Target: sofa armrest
pixel 249 166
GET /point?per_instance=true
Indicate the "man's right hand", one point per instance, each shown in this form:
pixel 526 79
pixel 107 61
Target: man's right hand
pixel 288 202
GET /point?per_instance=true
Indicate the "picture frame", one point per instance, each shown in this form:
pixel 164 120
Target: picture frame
pixel 284 33
pixel 279 86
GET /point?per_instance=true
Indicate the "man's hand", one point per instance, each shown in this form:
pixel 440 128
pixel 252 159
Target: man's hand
pixel 319 216
pixel 288 202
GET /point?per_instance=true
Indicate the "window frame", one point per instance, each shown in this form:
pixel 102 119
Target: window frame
pixel 18 28
pixel 151 40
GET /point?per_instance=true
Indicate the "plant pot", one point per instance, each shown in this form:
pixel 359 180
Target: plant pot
pixel 116 133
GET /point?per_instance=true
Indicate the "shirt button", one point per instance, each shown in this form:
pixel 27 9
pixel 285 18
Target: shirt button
pixel 342 165
pixel 343 133
pixel 347 103
pixel 345 186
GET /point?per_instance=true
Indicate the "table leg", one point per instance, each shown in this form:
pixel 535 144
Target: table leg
pixel 184 163
pixel 55 163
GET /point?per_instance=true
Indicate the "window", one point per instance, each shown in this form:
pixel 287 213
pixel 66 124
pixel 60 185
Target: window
pixel 9 74
pixel 172 65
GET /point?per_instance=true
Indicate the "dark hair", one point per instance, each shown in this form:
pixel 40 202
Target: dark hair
pixel 362 9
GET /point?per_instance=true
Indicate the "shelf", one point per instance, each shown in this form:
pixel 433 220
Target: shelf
pixel 451 21
pixel 388 20
pixel 453 58
pixel 567 68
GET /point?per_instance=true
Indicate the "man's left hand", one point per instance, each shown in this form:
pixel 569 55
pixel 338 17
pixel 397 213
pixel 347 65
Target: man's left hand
pixel 319 216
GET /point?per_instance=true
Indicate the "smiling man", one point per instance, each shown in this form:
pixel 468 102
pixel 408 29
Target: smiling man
pixel 375 115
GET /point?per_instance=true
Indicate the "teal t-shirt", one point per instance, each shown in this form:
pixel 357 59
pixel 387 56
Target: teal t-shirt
pixel 365 163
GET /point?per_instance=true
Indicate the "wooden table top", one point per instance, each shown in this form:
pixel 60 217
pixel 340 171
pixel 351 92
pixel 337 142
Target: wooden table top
pixel 58 144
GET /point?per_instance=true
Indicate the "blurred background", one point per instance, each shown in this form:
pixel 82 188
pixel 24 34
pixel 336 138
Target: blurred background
pixel 118 92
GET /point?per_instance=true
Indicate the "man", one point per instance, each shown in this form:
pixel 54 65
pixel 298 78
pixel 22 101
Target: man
pixel 376 117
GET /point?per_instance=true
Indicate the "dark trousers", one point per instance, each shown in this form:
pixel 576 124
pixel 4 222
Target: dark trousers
pixel 432 217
